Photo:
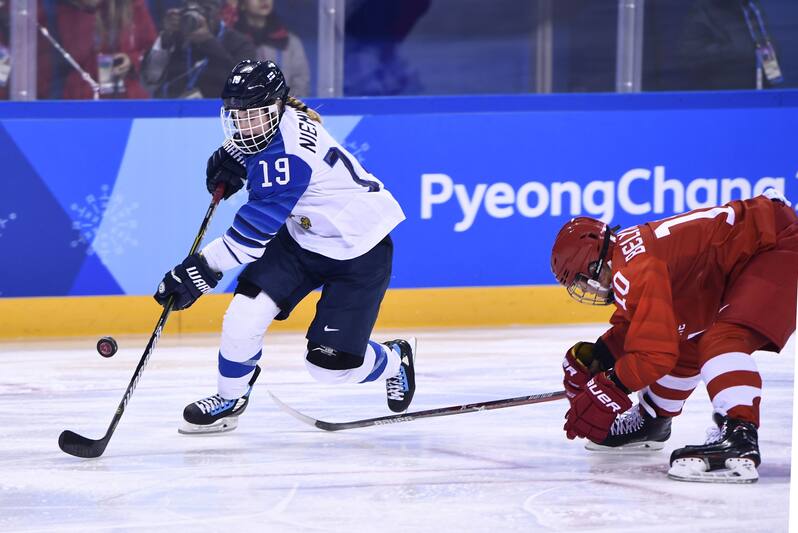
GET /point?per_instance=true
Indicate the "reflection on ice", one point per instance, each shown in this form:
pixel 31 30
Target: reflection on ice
pixel 503 470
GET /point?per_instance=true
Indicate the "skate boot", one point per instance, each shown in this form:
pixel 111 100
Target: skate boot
pixel 400 388
pixel 730 455
pixel 634 431
pixel 214 414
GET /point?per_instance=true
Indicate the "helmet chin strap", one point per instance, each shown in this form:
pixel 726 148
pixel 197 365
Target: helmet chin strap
pixel 605 246
pixel 600 291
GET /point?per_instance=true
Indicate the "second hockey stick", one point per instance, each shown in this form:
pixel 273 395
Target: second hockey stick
pixel 417 415
pixel 80 446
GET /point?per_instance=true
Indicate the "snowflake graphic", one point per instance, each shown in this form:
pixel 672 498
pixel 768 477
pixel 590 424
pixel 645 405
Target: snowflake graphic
pixel 357 149
pixel 4 220
pixel 119 223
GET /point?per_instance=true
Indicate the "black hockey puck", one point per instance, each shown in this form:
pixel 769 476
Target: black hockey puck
pixel 107 346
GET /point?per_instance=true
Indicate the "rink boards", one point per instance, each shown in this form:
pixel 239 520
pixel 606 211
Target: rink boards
pixel 101 198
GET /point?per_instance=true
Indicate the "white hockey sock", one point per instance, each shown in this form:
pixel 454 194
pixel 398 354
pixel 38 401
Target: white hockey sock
pixel 245 323
pixel 386 362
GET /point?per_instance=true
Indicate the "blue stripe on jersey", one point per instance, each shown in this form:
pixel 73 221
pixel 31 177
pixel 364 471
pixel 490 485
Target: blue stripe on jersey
pixel 238 250
pixel 247 229
pixel 264 214
pixel 231 252
pixel 233 369
pixel 240 239
pixel 272 194
pixel 379 363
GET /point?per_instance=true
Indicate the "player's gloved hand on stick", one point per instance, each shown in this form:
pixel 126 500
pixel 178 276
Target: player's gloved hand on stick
pixel 226 165
pixel 575 367
pixel 594 409
pixel 187 282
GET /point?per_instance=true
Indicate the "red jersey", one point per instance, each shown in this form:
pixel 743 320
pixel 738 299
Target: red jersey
pixel 669 278
pixel 78 32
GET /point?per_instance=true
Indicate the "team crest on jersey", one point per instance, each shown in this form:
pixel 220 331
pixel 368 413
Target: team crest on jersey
pixel 305 222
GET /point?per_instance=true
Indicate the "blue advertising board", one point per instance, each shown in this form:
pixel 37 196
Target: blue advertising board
pixel 102 198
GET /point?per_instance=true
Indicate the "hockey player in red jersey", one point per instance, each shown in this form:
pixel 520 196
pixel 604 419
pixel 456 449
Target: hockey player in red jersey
pixel 694 295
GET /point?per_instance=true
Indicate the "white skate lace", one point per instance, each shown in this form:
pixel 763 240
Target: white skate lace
pixel 395 386
pixel 210 403
pixel 628 422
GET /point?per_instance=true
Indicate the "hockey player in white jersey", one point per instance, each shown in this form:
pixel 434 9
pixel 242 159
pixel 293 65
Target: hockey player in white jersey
pixel 315 218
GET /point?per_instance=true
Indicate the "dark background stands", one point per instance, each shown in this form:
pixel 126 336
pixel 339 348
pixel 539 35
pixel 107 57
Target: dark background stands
pixel 194 62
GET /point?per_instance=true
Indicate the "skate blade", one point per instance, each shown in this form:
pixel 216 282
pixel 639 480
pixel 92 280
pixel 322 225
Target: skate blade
pixel 634 447
pixel 695 469
pixel 222 425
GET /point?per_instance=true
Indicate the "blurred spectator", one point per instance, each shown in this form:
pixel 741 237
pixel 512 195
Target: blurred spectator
pixel 714 49
pixel 257 19
pixel 106 38
pixel 195 52
pixel 229 12
pixel 5 57
pixel 374 31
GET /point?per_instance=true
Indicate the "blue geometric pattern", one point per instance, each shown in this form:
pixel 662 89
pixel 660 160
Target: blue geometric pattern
pixel 102 198
pixel 104 206
pixel 42 254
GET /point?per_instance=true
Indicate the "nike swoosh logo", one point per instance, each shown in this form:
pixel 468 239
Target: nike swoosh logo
pixel 691 335
pixel 326 328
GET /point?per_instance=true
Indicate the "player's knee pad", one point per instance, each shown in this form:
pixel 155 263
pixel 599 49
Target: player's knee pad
pixel 245 322
pixel 328 365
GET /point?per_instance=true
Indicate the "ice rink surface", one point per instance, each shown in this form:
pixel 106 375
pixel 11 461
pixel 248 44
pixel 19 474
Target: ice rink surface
pixel 497 471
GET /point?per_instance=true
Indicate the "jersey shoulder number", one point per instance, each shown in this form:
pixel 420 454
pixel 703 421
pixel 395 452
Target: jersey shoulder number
pixel 278 174
pixel 335 155
pixel 620 289
pixel 271 174
pixel 665 227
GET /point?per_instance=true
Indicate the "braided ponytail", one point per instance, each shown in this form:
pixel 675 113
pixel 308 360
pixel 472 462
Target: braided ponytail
pixel 299 105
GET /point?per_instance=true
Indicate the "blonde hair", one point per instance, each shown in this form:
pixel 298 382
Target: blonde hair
pixel 299 105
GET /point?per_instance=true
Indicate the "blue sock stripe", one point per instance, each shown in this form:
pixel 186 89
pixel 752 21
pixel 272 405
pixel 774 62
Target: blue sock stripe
pixel 233 369
pixel 379 363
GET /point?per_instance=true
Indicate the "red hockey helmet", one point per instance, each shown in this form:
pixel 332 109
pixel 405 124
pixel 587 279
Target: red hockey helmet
pixel 579 259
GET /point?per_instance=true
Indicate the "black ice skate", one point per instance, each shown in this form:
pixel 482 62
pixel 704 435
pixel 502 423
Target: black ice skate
pixel 634 431
pixel 214 414
pixel 730 455
pixel 400 388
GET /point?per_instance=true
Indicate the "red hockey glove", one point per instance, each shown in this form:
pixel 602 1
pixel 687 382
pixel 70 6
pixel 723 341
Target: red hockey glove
pixel 574 366
pixel 594 409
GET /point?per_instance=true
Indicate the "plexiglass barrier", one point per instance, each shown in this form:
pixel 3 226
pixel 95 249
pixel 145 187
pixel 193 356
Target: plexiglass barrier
pixel 140 49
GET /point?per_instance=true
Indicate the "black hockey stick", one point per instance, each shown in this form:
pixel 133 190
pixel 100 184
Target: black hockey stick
pixel 80 446
pixel 430 413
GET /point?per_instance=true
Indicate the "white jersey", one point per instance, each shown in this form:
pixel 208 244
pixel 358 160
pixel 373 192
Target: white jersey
pixel 304 179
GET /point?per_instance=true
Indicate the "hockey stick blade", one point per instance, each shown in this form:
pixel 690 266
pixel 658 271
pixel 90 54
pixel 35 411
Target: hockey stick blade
pixel 430 413
pixel 80 446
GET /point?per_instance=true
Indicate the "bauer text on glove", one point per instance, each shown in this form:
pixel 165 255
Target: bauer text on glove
pixel 594 409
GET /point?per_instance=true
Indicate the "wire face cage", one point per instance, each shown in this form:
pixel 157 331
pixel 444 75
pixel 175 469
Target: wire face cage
pixel 251 130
